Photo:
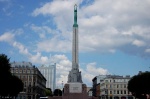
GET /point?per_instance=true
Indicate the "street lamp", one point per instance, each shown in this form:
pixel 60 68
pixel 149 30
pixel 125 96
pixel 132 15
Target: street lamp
pixel 62 88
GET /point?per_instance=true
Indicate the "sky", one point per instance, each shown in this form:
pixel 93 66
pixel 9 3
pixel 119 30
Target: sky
pixel 114 35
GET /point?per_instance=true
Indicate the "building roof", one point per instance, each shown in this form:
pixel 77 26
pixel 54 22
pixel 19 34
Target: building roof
pixel 21 64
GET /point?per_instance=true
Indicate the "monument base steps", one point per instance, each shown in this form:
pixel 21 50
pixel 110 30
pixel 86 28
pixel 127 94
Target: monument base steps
pixel 74 91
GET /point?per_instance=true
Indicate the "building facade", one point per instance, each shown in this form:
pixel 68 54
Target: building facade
pixel 49 72
pixel 34 81
pixel 115 87
pixel 96 85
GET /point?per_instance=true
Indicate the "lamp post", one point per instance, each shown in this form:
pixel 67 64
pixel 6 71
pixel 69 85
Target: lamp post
pixel 62 88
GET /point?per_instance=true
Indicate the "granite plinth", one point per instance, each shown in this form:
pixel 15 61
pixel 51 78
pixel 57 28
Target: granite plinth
pixel 75 91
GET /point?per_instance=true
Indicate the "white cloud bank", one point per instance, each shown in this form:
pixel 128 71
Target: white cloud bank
pixel 63 64
pixel 104 26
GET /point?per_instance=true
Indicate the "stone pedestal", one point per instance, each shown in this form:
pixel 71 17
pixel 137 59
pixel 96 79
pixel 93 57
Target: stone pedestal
pixel 75 91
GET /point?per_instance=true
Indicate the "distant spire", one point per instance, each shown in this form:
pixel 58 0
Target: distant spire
pixel 75 16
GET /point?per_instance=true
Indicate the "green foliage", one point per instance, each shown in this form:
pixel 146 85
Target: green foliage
pixel 4 64
pixel 16 86
pixel 9 85
pixel 139 84
pixel 57 92
pixel 48 92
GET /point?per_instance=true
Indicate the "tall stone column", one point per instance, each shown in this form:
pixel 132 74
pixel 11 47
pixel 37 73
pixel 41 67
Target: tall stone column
pixel 75 74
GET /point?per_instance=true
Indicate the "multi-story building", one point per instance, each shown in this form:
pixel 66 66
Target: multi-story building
pixel 96 85
pixel 34 81
pixel 115 87
pixel 90 92
pixel 49 72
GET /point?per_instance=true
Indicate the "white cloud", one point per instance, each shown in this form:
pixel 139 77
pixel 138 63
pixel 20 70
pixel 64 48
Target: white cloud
pixel 91 68
pixel 43 31
pixel 138 43
pixel 7 37
pixel 54 45
pixel 104 26
pixel 54 7
pixel 64 65
pixel 21 48
pixel 91 71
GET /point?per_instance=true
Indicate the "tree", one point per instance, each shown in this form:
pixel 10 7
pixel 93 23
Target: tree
pixel 139 85
pixel 5 75
pixel 16 86
pixel 57 92
pixel 9 85
pixel 4 63
pixel 48 92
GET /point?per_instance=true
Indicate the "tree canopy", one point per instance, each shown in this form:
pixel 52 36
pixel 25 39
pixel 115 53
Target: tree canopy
pixel 139 85
pixel 4 64
pixel 16 86
pixel 10 85
pixel 48 92
pixel 57 92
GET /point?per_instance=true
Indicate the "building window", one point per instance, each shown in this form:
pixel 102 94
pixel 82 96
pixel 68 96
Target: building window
pixel 110 86
pixel 117 86
pixel 28 71
pixel 25 83
pixel 117 91
pixel 106 80
pixel 124 80
pixel 32 71
pixel 110 92
pixel 24 77
pixel 106 86
pixel 124 86
pixel 33 83
pixel 29 90
pixel 124 91
pixel 121 92
pixel 24 90
pixel 21 71
pixel 114 86
pixel 105 92
pixel 114 91
pixel 30 78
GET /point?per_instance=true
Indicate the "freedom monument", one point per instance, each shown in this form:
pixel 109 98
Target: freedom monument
pixel 75 89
